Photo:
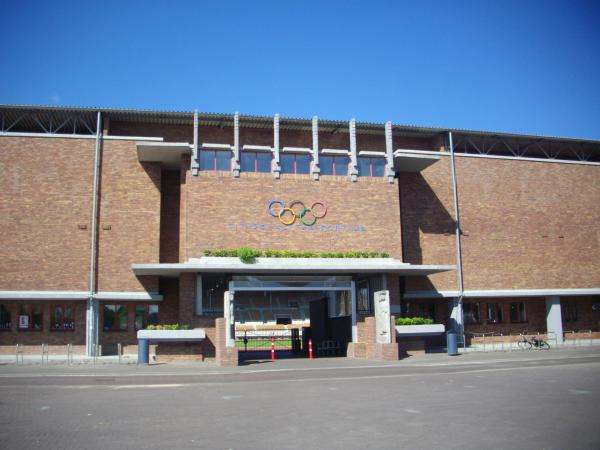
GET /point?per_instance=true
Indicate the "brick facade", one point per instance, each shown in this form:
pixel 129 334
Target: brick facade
pixel 526 225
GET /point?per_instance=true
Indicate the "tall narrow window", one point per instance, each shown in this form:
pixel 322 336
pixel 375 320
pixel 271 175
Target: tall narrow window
pixel 494 313
pixel 569 311
pixel 5 318
pixel 114 318
pixel 471 313
pixel 30 317
pixel 517 312
pixel 62 317
pixel 371 167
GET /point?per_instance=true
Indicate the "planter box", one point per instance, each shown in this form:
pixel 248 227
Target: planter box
pixel 420 330
pixel 172 335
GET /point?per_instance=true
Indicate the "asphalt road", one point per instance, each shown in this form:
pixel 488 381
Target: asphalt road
pixel 532 400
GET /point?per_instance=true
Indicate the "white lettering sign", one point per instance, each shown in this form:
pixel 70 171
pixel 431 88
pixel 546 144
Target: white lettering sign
pixel 23 321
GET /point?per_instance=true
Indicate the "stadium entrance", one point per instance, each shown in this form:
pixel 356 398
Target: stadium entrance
pixel 284 313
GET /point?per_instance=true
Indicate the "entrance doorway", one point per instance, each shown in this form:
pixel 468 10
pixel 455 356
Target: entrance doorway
pixel 285 312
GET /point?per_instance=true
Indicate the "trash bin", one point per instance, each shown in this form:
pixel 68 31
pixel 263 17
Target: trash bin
pixel 451 343
pixel 143 351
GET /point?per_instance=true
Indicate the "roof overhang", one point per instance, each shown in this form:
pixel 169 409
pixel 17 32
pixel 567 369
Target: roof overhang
pixel 167 153
pixel 413 161
pixel 501 293
pixel 289 266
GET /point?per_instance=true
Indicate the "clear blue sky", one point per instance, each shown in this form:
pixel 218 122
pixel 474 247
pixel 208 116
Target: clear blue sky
pixel 519 66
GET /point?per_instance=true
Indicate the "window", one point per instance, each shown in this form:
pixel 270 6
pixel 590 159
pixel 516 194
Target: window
pixel 340 304
pixel 5 319
pixel 418 309
pixel 517 312
pixel 334 165
pixel 494 313
pixel 115 318
pixel 295 163
pixel 256 162
pixel 213 293
pixel 215 160
pixel 471 313
pixel 62 317
pixel 371 167
pixel 363 305
pixel 145 315
pixel 30 317
pixel 282 319
pixel 569 311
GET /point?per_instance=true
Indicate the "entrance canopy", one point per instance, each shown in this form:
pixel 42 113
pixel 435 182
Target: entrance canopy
pixel 296 283
pixel 289 266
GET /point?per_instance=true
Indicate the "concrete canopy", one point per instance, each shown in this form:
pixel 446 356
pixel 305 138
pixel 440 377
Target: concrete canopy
pixel 409 161
pixel 168 153
pixel 289 266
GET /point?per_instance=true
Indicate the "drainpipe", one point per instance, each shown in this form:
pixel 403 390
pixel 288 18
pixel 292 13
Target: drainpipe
pixel 457 307
pixel 91 336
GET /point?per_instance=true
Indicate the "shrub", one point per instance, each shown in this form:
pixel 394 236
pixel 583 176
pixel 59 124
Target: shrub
pixel 174 326
pixel 247 254
pixel 413 321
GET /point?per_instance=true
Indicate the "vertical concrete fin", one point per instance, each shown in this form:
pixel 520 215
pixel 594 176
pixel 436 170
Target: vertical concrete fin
pixel 195 163
pixel 554 318
pixel 389 152
pixel 276 164
pixel 353 155
pixel 315 170
pixel 236 144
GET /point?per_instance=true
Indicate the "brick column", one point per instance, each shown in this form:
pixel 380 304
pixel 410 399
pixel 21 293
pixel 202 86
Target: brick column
pixel 225 356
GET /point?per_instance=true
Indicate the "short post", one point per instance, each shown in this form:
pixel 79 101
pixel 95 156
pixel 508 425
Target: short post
pixel 143 351
pixel 45 353
pixel 119 351
pixel 20 352
pixel 272 349
pixel 310 356
pixel 69 353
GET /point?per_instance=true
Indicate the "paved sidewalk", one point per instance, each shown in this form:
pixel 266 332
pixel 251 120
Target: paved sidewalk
pixel 128 367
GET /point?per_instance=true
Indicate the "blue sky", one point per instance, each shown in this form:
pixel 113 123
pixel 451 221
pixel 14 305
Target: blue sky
pixel 518 66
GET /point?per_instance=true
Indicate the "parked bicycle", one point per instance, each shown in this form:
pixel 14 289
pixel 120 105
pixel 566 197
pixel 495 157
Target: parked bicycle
pixel 537 342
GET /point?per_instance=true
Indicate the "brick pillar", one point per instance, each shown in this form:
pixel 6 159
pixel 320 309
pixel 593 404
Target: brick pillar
pixel 368 348
pixel 187 290
pixel 225 356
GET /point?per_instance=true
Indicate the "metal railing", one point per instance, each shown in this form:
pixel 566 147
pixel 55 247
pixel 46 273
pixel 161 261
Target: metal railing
pixel 493 341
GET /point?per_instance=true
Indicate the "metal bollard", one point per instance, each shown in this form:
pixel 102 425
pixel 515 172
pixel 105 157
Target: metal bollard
pixel 69 353
pixel 45 353
pixel 119 351
pixel 20 352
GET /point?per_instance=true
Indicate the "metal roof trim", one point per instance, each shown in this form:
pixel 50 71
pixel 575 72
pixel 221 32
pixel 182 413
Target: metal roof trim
pixel 206 118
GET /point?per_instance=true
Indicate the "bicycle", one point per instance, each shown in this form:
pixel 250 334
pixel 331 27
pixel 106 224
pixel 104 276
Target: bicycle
pixel 528 344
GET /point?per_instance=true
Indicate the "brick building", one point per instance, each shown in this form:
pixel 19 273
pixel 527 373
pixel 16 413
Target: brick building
pixel 106 216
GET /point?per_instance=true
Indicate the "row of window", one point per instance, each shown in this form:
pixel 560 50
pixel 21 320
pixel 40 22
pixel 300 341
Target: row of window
pixel 495 312
pixel 62 317
pixel 293 163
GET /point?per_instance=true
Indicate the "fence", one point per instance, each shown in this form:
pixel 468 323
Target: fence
pixel 57 357
pixel 260 340
pixel 494 342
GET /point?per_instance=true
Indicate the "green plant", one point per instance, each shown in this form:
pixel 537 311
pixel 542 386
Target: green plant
pixel 174 326
pixel 413 321
pixel 247 254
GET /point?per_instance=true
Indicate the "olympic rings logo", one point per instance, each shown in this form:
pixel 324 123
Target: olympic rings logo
pixel 288 213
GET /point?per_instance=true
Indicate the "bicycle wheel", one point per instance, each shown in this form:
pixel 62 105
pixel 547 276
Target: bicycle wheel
pixel 524 345
pixel 544 345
